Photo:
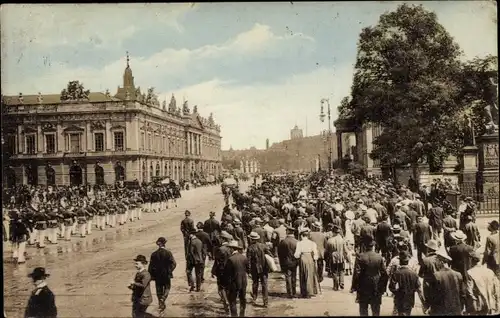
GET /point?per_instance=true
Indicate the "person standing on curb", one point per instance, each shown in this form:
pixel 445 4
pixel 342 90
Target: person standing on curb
pixel 161 267
pixel 141 289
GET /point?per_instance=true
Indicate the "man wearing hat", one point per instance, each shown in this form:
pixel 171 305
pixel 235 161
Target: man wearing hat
pixel 195 260
pixel 472 232
pixel 404 283
pixel 259 230
pixel 161 267
pixel 369 280
pixel 239 234
pixel 221 255
pixel 205 240
pixel 449 226
pixel 356 229
pixel 421 235
pixel 235 271
pixel 42 301
pixel 187 225
pixel 335 256
pixel 483 289
pixel 318 237
pixel 141 289
pixel 447 290
pixel 212 228
pixel 460 253
pixel 259 269
pixel 429 266
pixel 366 233
pixel 288 262
pixel 492 249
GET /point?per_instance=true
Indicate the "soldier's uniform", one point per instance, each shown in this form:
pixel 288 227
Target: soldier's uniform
pixel 6 223
pixel 102 210
pixel 91 212
pixel 140 203
pixel 60 217
pixel 81 215
pixel 53 224
pixel 112 213
pixel 132 208
pixel 30 219
pixel 122 212
pixel 68 223
pixel 41 219
pixel 19 236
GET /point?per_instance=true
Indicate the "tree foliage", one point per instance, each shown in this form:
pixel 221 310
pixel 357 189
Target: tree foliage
pixel 74 92
pixel 409 80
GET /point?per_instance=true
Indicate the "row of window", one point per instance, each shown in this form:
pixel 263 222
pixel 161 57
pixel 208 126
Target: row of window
pixel 74 143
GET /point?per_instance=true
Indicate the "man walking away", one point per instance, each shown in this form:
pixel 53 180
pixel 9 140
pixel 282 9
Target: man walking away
pixel 195 260
pixel 187 225
pixel 335 255
pixel 483 289
pixel 404 283
pixel 492 249
pixel 259 270
pixel 288 262
pixel 236 270
pixel 161 268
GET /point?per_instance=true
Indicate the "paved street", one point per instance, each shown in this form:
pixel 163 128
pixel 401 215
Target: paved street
pixel 89 276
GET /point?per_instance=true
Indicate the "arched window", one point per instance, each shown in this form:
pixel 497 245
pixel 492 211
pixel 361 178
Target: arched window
pixel 151 173
pixel 157 169
pixel 119 172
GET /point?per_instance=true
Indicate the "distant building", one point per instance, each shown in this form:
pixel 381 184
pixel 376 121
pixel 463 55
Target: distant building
pixel 267 143
pixel 296 133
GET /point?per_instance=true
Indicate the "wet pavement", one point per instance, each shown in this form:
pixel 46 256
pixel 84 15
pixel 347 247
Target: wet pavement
pixel 89 276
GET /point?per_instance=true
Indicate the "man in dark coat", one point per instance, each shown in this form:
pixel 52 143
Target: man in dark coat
pixel 460 254
pixel 421 236
pixel 221 255
pixel 187 225
pixel 141 289
pixel 42 303
pixel 447 290
pixel 472 232
pixel 492 249
pixel 259 270
pixel 288 262
pixel 383 237
pixel 366 234
pixel 161 268
pixel 239 234
pixel 260 230
pixel 195 260
pixel 404 283
pixel 207 244
pixel 212 228
pixel 436 216
pixel 369 280
pixel 430 265
pixel 449 226
pixel 236 270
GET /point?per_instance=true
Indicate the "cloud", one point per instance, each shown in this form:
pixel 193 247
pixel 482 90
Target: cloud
pixel 249 114
pixel 259 41
pixel 51 25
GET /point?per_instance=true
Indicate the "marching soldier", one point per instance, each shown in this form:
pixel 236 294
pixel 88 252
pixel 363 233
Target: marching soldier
pixel 68 223
pixel 91 212
pixel 82 221
pixel 40 219
pixel 53 224
pixel 140 203
pixel 121 209
pixel 112 212
pixel 101 215
pixel 29 214
pixel 19 236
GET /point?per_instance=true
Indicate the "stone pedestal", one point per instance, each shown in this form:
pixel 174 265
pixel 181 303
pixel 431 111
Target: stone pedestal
pixel 488 164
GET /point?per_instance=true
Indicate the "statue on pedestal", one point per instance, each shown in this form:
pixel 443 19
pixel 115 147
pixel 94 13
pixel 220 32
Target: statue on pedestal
pixel 491 97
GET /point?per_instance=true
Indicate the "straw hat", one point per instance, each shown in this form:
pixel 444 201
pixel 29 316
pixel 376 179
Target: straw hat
pixel 432 244
pixel 459 235
pixel 254 236
pixel 349 215
pixel 234 244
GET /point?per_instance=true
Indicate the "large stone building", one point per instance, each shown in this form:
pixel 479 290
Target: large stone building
pixel 78 137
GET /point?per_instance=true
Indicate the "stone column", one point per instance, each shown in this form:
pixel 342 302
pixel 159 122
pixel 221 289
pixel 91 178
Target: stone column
pixel 20 139
pixel 39 142
pixel 109 140
pixel 89 138
pixel 59 138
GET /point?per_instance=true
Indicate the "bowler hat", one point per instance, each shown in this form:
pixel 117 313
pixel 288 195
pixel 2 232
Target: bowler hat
pixel 161 240
pixel 141 258
pixel 199 225
pixel 38 273
pixel 493 225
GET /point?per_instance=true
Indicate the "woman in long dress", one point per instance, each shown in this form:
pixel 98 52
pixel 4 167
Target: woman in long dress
pixel 307 253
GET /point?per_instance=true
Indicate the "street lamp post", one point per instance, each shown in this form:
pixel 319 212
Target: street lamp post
pixel 322 118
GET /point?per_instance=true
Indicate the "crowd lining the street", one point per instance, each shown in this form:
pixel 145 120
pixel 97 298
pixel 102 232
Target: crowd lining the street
pixel 392 240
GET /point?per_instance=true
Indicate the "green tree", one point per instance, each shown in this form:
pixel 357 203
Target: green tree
pixel 406 81
pixel 74 92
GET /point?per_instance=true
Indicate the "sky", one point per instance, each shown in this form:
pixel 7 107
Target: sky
pixel 260 68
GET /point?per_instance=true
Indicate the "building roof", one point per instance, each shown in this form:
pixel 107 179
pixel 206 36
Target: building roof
pixel 94 97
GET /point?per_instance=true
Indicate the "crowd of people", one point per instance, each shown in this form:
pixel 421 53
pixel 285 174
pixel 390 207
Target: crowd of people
pixel 391 240
pixel 39 215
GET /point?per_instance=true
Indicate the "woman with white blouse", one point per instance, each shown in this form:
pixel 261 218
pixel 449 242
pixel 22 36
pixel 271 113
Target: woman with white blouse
pixel 307 254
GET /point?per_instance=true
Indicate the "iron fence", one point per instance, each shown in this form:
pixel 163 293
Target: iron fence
pixel 487 203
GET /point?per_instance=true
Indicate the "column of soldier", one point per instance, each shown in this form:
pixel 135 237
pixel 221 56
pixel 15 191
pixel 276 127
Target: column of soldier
pixel 383 235
pixel 43 216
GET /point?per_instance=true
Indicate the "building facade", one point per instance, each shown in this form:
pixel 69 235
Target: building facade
pixel 296 133
pixel 90 138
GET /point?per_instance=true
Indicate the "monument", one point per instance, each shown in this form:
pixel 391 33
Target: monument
pixel 488 142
